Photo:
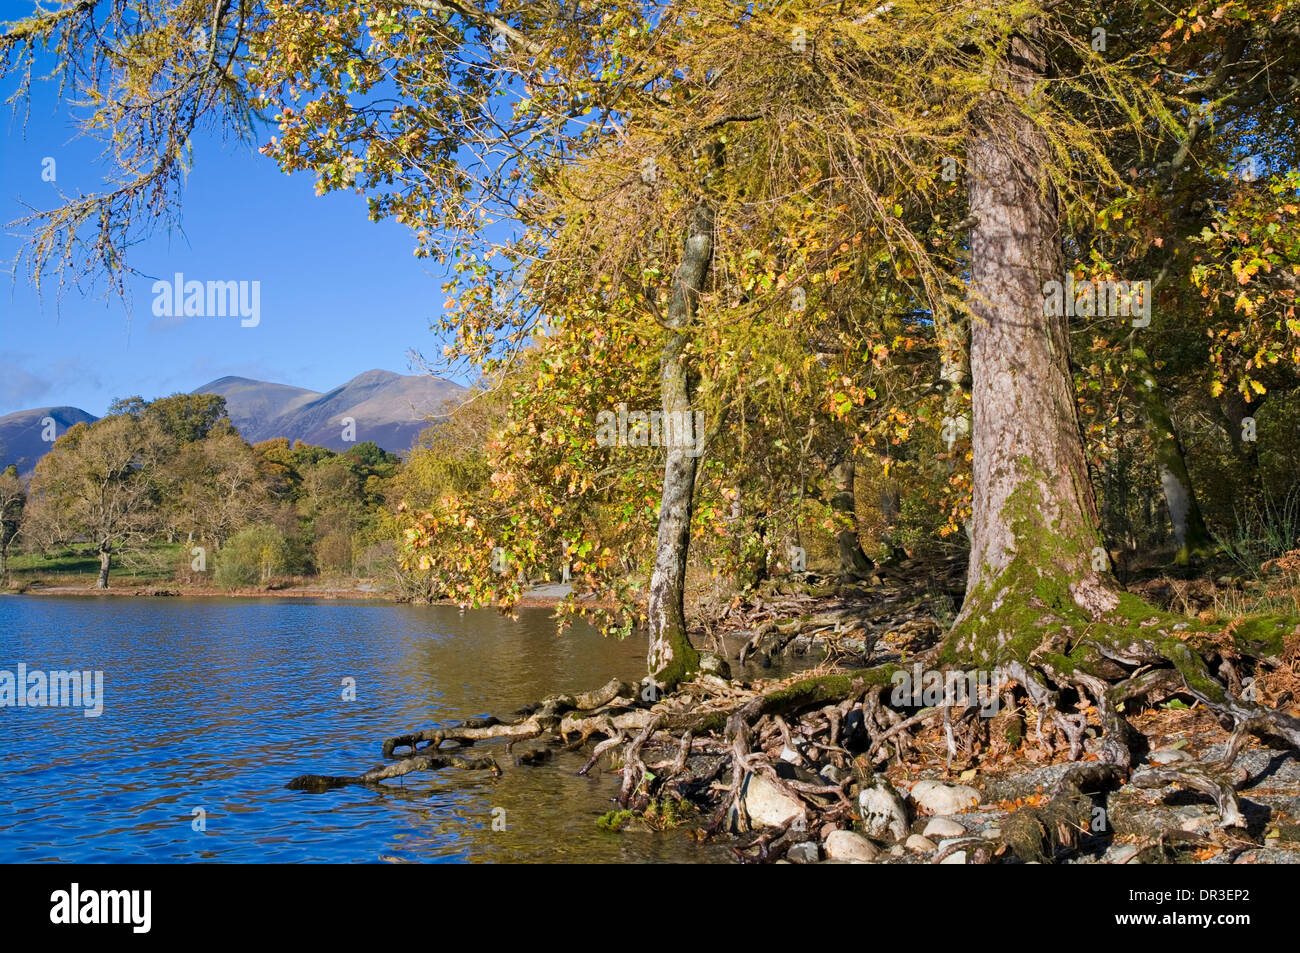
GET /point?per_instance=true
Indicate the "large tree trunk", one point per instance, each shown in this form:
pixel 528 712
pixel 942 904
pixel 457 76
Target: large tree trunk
pixel 105 556
pixel 1034 526
pixel 671 657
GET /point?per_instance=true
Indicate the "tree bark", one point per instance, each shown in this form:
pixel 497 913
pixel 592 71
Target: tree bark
pixel 854 564
pixel 671 657
pixel 1033 510
pixel 105 555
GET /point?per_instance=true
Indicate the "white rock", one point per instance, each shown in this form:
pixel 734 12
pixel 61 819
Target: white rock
pixel 956 857
pixel 766 805
pixel 938 797
pixel 944 827
pixel 1169 756
pixel 919 844
pixel 884 814
pixel 850 845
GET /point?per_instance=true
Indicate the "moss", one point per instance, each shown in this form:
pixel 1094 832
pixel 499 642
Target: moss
pixel 818 688
pixel 1193 670
pixel 685 661
pixel 1027 612
pixel 1263 635
pixel 659 815
pixel 614 820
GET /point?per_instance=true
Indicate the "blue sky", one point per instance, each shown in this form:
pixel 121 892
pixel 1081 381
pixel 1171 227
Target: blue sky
pixel 339 294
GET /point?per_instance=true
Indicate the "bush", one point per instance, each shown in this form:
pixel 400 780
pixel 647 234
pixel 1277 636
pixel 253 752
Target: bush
pixel 334 552
pixel 252 557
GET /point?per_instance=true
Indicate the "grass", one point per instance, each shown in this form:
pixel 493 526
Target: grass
pixel 1262 530
pixel 74 566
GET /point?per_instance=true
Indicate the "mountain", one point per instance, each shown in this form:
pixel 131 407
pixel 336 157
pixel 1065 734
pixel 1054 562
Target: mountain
pixel 387 408
pixel 24 434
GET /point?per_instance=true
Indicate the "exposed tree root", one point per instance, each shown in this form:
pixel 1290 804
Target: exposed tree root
pixel 817 739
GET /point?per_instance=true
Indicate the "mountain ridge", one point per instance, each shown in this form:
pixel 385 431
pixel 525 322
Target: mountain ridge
pixel 385 407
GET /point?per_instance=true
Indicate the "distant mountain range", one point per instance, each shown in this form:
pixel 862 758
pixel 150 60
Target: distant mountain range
pixel 25 435
pixel 387 408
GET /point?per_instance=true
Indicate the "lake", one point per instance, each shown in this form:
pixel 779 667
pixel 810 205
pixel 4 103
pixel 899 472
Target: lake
pixel 215 704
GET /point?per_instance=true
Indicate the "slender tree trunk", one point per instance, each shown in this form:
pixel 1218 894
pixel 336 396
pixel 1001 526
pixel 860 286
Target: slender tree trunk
pixel 671 657
pixel 105 556
pixel 854 564
pixel 1034 525
pixel 1235 412
pixel 1184 512
pixel 952 336
pixel 4 564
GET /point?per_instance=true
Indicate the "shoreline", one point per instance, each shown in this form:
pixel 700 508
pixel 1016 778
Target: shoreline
pixel 539 598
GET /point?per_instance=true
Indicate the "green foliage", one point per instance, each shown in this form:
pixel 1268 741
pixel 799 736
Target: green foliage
pixel 252 557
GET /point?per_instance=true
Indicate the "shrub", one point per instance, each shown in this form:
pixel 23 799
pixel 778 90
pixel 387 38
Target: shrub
pixel 251 557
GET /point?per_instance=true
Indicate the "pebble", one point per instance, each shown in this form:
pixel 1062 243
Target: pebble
pixel 944 827
pixel 850 845
pixel 939 797
pixel 805 852
pixel 1168 756
pixel 884 815
pixel 765 804
pixel 920 844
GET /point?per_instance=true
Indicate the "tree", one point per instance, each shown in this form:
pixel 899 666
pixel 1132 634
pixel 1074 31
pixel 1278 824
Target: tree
pixel 99 483
pixel 13 502
pixel 768 168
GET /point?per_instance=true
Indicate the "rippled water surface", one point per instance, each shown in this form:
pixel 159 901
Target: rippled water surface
pixel 216 704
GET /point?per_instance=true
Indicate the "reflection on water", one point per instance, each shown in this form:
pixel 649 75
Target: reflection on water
pixel 216 704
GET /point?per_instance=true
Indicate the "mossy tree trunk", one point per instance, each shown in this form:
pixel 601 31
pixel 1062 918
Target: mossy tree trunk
pixel 1033 511
pixel 671 657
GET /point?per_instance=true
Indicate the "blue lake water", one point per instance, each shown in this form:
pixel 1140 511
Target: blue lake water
pixel 216 704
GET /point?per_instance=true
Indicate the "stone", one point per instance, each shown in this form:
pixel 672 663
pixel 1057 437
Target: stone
pixel 765 805
pixel 850 845
pixel 944 827
pixel 716 665
pixel 883 811
pixel 939 797
pixel 920 844
pixel 805 852
pixel 1168 756
pixel 831 774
